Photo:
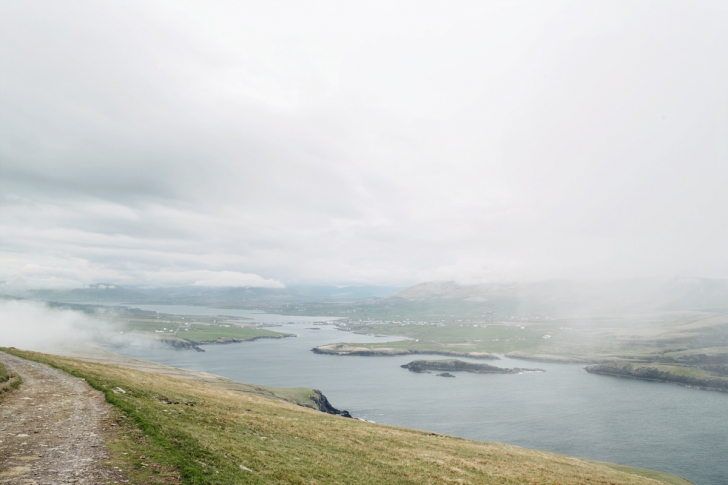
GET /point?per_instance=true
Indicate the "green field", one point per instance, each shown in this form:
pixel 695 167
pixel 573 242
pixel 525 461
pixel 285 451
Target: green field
pixel 502 338
pixel 478 337
pixel 434 310
pixel 201 333
pixel 218 436
pixel 4 376
pixel 194 330
pixel 686 338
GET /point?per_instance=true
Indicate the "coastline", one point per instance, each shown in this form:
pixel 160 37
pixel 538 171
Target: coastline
pixel 181 343
pixel 341 442
pixel 648 372
pixel 97 353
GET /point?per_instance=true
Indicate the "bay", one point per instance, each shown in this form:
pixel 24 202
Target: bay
pixel 565 410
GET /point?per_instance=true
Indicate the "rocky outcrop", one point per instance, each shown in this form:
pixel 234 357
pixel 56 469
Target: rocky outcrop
pixel 182 344
pixel 650 373
pixel 323 405
pixel 193 344
pixel 459 365
pixel 350 349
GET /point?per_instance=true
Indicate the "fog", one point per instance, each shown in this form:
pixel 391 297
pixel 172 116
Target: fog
pixel 33 325
pixel 279 143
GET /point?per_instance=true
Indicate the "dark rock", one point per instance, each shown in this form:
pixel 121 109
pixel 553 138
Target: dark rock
pixel 445 374
pixel 323 405
pixel 182 344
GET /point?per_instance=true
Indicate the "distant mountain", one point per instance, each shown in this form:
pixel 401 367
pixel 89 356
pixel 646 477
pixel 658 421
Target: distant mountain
pixel 584 296
pixel 545 297
pixel 227 296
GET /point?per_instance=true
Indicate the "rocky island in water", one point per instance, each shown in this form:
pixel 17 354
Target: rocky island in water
pixel 459 365
pixel 364 350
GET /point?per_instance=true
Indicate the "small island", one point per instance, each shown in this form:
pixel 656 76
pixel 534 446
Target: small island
pixel 376 350
pixel 422 366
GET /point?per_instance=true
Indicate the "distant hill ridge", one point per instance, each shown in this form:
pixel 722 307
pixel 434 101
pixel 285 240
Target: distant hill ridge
pixel 625 295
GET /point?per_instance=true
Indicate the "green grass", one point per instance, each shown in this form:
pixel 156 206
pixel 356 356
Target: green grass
pixel 468 337
pixel 645 338
pixel 395 309
pixel 281 443
pixel 149 325
pixel 687 371
pixel 499 338
pixel 8 381
pixel 199 333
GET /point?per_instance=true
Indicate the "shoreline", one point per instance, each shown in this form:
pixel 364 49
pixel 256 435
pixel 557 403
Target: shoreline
pixel 194 344
pixel 346 349
pixel 646 373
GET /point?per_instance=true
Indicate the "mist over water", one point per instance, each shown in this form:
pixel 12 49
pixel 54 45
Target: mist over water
pixel 566 410
pixel 502 161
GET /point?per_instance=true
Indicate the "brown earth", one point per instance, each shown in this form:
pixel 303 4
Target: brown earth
pixel 52 429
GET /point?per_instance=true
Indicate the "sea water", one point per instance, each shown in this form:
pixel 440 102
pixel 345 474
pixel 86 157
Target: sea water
pixel 564 410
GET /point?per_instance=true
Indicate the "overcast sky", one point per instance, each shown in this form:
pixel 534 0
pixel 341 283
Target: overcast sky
pixel 277 143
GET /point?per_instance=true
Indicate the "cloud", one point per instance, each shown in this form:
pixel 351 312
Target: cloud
pixel 334 143
pixel 213 278
pixel 34 326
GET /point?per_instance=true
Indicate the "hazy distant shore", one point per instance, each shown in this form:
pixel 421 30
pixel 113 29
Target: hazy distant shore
pixel 680 375
pixel 348 349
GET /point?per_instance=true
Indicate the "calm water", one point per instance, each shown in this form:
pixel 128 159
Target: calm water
pixel 564 410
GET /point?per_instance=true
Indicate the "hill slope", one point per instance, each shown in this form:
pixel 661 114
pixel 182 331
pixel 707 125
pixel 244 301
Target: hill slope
pixel 221 436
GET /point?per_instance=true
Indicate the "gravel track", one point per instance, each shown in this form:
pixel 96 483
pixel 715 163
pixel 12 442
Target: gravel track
pixel 52 429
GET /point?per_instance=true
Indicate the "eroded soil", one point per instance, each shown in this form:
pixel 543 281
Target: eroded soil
pixel 52 429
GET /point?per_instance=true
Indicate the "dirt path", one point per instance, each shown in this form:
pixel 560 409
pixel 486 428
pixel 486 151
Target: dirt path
pixel 52 429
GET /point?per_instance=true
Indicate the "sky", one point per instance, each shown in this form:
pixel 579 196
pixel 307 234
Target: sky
pixel 216 143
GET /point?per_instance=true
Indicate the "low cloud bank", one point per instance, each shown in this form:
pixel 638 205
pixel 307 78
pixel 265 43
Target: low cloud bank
pixel 32 325
pixel 18 283
pixel 233 278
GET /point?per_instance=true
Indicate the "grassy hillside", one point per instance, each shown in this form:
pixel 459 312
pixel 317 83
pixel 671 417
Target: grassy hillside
pixel 211 435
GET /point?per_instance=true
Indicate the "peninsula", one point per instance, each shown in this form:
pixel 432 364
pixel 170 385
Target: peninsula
pixel 712 377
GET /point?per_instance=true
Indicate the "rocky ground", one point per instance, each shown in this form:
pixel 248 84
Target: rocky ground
pixel 52 429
